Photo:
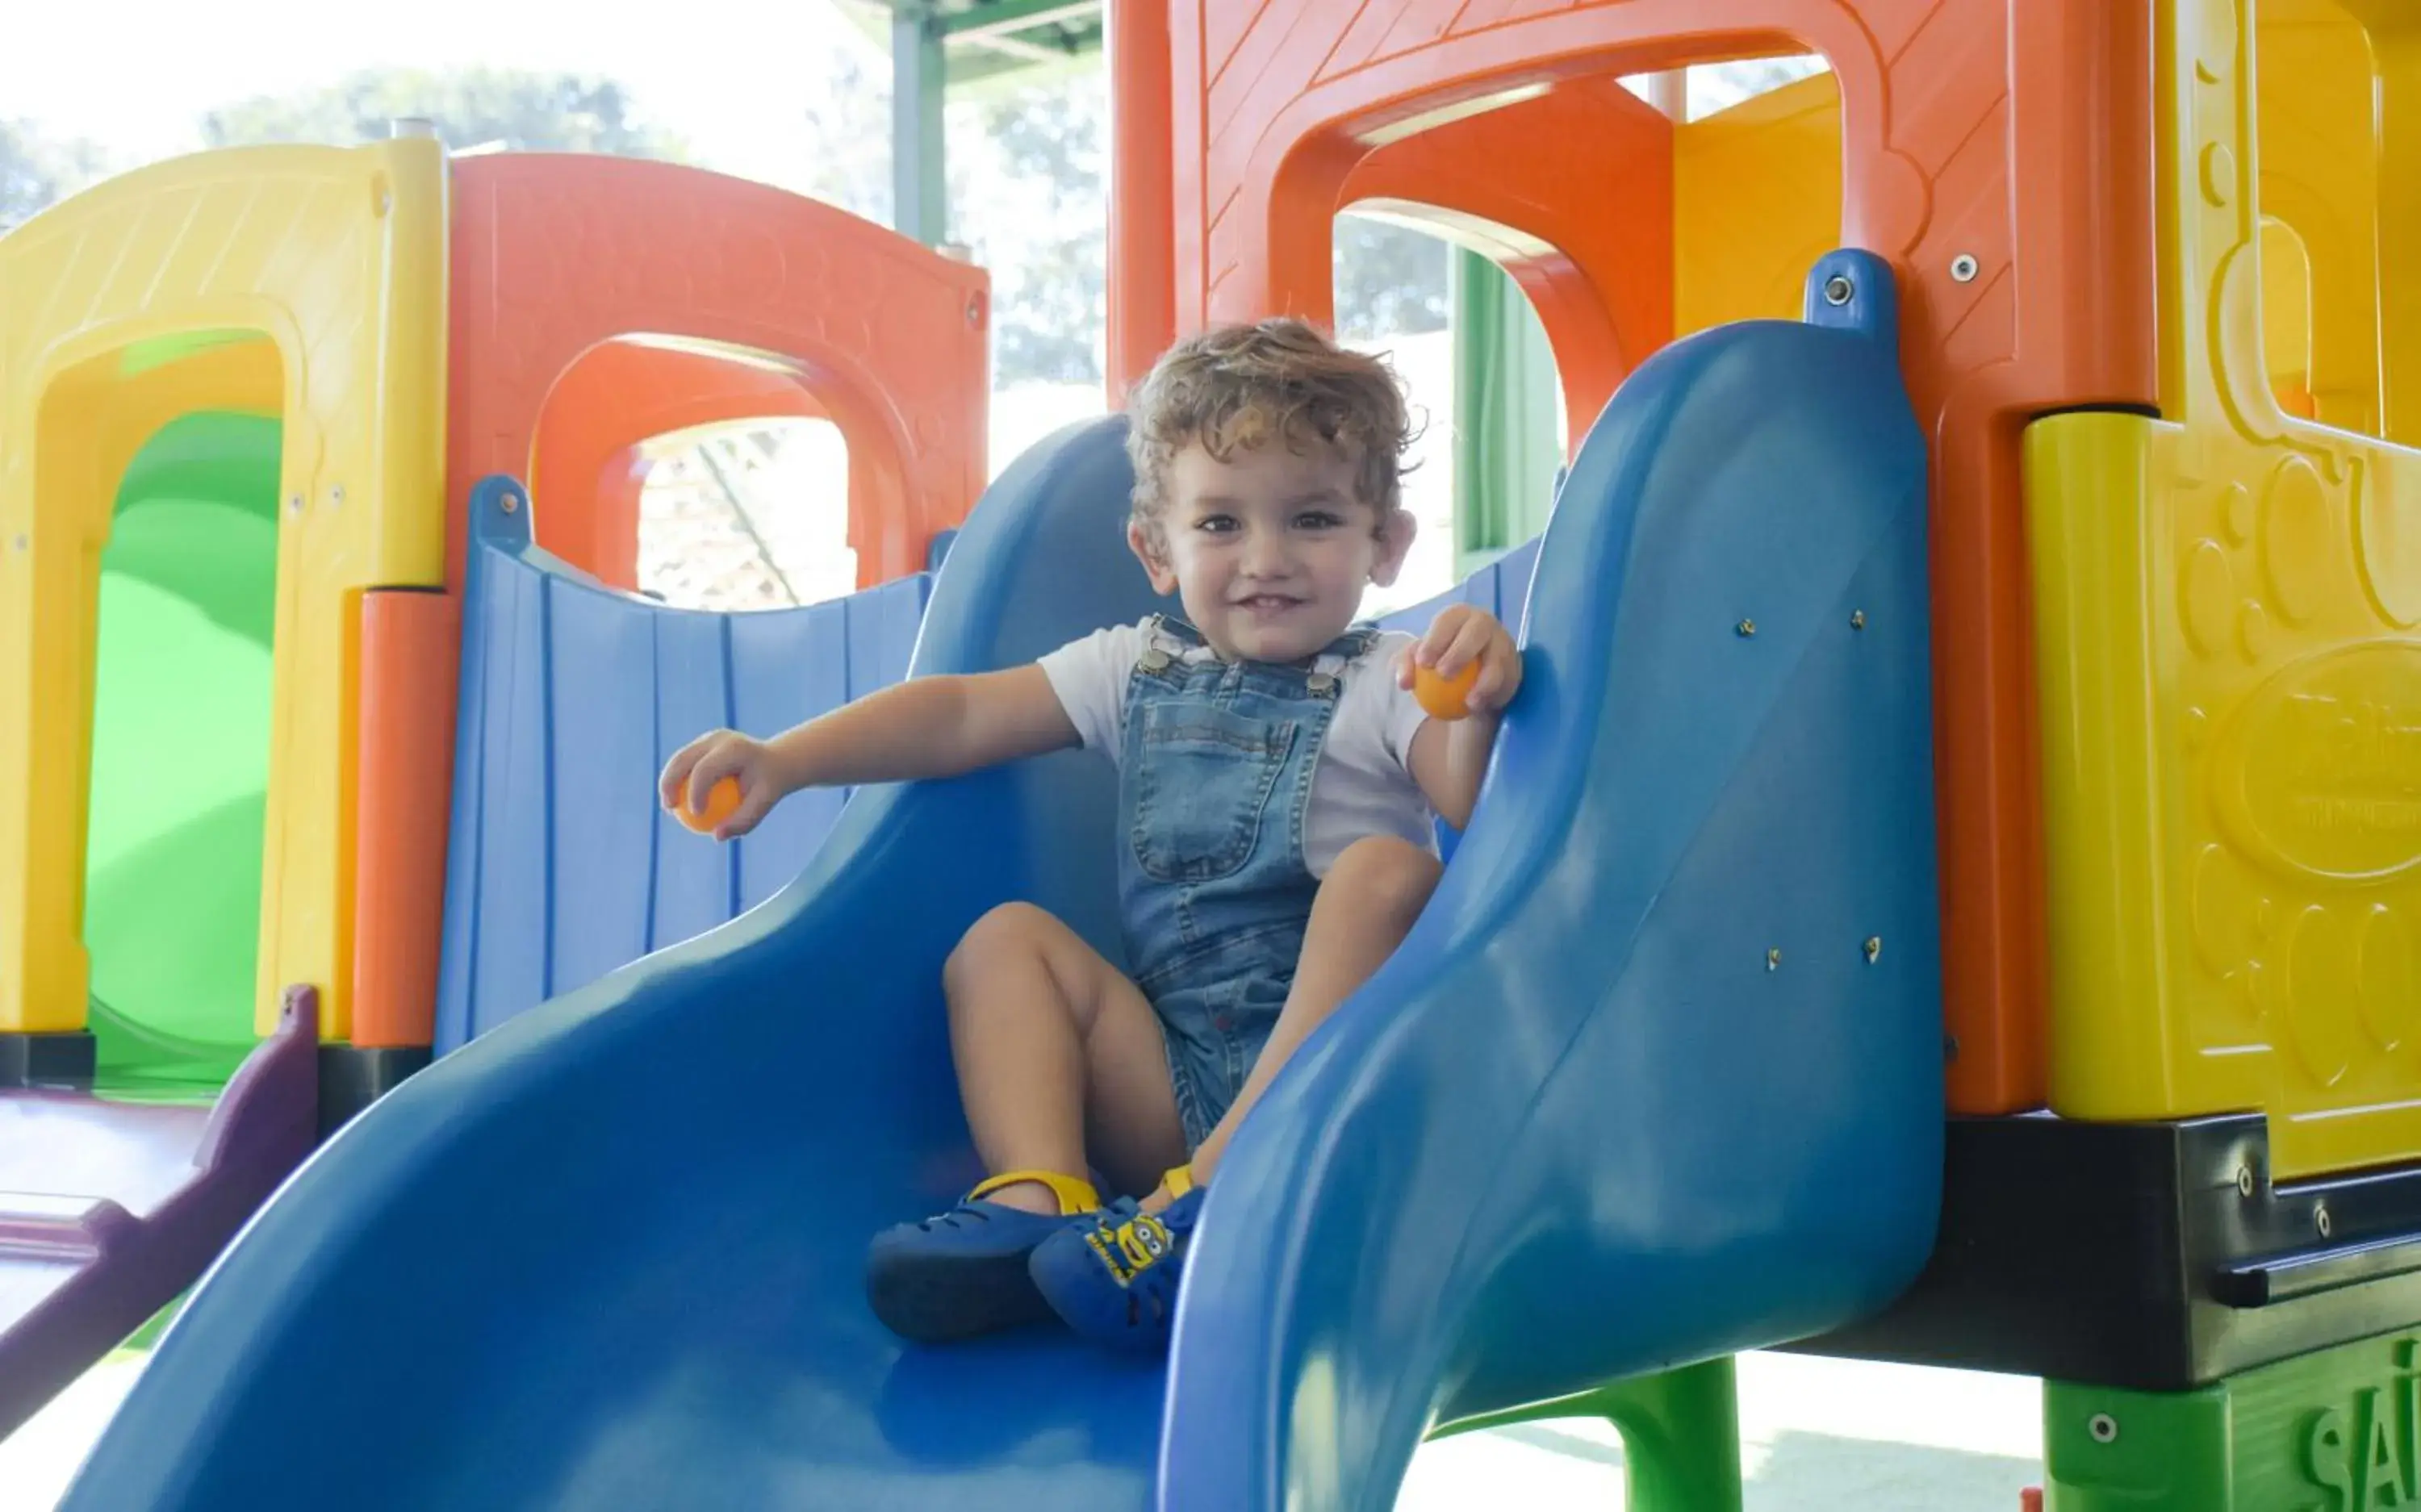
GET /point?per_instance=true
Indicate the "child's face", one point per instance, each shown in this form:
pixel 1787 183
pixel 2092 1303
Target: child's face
pixel 1270 550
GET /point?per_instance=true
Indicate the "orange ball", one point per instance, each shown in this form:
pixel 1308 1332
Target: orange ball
pixel 722 802
pixel 1445 697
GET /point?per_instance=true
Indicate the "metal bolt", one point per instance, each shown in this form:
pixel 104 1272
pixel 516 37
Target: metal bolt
pixel 1964 268
pixel 1745 629
pixel 2103 1427
pixel 336 498
pixel 1773 959
pixel 294 505
pixel 1857 619
pixel 1837 290
pixel 2322 1223
pixel 2244 1180
pixel 1874 948
pixel 510 504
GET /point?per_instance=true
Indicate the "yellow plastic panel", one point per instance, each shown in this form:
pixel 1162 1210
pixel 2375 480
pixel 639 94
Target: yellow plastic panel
pixel 115 309
pixel 1756 199
pixel 2229 623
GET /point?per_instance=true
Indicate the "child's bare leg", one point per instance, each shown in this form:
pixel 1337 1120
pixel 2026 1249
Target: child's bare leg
pixel 1365 907
pixel 1044 1032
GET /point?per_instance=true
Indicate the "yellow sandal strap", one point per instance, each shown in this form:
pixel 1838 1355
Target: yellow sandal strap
pixel 1179 1180
pixel 1075 1195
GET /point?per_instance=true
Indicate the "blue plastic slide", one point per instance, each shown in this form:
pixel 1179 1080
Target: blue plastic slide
pixel 1656 1078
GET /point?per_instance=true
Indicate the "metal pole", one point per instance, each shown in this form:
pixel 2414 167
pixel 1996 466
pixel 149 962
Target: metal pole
pixel 919 186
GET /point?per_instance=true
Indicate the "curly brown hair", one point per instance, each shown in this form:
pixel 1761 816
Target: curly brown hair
pixel 1234 387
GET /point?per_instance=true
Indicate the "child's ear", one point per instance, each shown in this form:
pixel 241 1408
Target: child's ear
pixel 1153 557
pixel 1395 540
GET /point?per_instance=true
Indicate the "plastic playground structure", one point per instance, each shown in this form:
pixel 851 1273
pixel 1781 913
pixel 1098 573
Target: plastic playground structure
pixel 1950 890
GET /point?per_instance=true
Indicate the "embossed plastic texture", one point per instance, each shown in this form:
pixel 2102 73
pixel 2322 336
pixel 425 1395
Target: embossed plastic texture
pixel 300 281
pixel 1586 1124
pixel 1978 138
pixel 2231 694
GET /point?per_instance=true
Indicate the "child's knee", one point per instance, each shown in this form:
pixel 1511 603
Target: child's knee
pixel 1390 878
pixel 1011 931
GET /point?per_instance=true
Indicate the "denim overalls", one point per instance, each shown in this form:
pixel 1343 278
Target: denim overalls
pixel 1214 892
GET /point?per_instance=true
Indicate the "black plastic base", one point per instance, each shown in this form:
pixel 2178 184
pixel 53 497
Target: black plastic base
pixel 351 1077
pixel 63 1059
pixel 2149 1256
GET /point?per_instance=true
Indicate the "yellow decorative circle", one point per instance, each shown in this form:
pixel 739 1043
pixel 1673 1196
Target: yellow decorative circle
pixel 2321 988
pixel 2218 174
pixel 2208 594
pixel 2390 970
pixel 2299 544
pixel 2236 513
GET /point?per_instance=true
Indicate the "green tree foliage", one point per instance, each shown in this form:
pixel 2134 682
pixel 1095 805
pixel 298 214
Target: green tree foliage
pixel 37 170
pixel 509 108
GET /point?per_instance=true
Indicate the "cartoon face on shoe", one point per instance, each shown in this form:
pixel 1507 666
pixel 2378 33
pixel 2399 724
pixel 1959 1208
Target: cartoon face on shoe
pixel 1270 550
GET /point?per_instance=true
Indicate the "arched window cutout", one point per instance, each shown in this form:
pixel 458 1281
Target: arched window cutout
pixel 2339 232
pixel 746 515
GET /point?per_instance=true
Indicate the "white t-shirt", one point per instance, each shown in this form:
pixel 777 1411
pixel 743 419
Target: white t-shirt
pixel 1362 784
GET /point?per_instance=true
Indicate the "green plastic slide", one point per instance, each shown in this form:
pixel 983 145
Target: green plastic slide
pixel 180 757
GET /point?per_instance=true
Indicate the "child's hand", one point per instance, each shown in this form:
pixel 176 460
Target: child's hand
pixel 696 767
pixel 1457 637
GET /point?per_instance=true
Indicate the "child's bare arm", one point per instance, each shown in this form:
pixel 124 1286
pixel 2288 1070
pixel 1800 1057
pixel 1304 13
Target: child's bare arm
pixel 925 728
pixel 1448 757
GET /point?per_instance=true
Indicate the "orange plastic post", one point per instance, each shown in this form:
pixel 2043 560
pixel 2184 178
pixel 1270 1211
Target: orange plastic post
pixel 406 755
pixel 1979 140
pixel 1143 218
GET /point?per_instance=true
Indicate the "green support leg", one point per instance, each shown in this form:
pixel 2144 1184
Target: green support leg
pixel 2335 1431
pixel 1680 1435
pixel 1505 409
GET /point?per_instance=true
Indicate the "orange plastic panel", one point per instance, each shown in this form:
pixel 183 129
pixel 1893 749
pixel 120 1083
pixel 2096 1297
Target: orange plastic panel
pixel 2006 131
pixel 556 253
pixel 1597 267
pixel 619 394
pixel 408 653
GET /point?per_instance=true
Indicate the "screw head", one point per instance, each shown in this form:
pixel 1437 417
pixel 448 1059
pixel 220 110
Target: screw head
pixel 336 498
pixel 1745 629
pixel 2103 1427
pixel 1857 619
pixel 2321 1222
pixel 2244 1180
pixel 510 503
pixel 294 505
pixel 1964 268
pixel 1874 948
pixel 1773 959
pixel 1838 288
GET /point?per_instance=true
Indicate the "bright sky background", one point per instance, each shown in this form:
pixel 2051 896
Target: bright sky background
pixel 728 75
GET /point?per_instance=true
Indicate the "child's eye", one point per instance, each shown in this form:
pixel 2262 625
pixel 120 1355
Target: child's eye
pixel 1216 524
pixel 1318 520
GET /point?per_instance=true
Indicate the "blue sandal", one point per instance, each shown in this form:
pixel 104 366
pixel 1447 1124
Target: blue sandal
pixel 964 1272
pixel 1113 1280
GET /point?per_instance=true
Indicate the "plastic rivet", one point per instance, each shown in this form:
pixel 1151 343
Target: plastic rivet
pixel 1837 290
pixel 1874 948
pixel 1773 959
pixel 1745 629
pixel 2103 1427
pixel 510 503
pixel 336 498
pixel 2322 1223
pixel 1857 619
pixel 1964 268
pixel 2244 1180
pixel 294 505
